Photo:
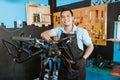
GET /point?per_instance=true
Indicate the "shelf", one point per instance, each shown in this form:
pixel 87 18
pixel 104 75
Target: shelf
pixel 113 40
pixel 47 14
pixel 40 22
pixel 34 17
pixel 33 6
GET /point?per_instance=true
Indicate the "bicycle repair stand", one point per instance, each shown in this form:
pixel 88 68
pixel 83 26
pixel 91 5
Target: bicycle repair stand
pixel 50 59
pixel 53 68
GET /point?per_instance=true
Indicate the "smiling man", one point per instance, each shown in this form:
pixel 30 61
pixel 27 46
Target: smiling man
pixel 73 57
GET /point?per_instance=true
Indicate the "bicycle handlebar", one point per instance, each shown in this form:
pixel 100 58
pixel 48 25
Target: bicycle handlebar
pixel 37 43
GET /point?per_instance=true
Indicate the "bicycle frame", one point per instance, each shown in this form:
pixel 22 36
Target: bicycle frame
pixel 52 52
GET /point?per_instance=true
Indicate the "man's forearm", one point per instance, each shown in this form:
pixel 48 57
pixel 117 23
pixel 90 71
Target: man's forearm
pixel 88 51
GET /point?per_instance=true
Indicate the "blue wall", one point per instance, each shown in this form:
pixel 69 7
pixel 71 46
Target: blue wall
pixel 64 2
pixel 14 10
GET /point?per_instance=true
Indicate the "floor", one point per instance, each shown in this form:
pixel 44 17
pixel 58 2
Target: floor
pixel 99 74
pixel 96 76
pixel 95 73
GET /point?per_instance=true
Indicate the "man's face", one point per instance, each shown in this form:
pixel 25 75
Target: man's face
pixel 66 18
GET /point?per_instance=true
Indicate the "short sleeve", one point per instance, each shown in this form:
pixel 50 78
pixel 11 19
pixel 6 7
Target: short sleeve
pixel 86 38
pixel 55 31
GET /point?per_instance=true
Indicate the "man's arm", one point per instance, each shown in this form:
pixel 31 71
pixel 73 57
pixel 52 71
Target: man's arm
pixel 88 51
pixel 46 35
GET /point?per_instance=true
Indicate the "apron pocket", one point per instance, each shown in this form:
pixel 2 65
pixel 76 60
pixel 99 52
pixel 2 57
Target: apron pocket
pixel 72 72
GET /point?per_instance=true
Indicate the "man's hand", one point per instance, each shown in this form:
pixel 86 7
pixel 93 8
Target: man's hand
pixel 46 35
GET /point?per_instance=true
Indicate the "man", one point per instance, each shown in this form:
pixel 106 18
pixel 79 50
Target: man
pixel 73 57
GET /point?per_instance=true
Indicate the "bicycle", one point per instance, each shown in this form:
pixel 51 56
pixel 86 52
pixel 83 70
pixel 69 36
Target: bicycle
pixel 38 47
